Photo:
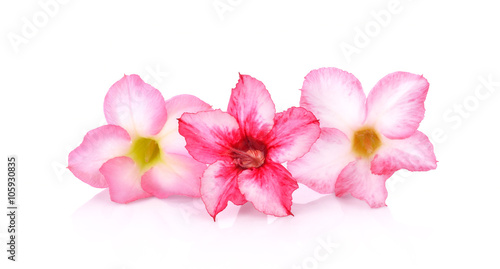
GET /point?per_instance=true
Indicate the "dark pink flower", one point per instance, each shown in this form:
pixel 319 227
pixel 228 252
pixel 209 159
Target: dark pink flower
pixel 140 152
pixel 245 147
pixel 363 140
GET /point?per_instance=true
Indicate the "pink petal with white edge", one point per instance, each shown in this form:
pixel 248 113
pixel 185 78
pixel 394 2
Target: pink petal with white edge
pixel 414 153
pixel 269 188
pixel 395 106
pixel 124 180
pixel 335 97
pixel 98 146
pixel 219 185
pixel 209 135
pixel 357 179
pixel 136 106
pixel 293 134
pixel 321 166
pixel 169 138
pixel 176 175
pixel 251 104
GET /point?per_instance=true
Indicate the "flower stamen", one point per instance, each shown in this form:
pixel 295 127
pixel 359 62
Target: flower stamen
pixel 145 152
pixel 251 158
pixel 365 142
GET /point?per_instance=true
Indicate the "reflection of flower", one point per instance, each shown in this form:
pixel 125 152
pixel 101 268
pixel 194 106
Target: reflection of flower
pixel 245 148
pixel 140 152
pixel 363 140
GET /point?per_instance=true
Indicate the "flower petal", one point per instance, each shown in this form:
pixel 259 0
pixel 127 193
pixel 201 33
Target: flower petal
pixel 269 188
pixel 335 97
pixel 414 153
pixel 395 106
pixel 219 185
pixel 293 134
pixel 136 106
pixel 357 179
pixel 124 180
pixel 251 104
pixel 321 166
pixel 170 139
pixel 98 146
pixel 209 134
pixel 176 175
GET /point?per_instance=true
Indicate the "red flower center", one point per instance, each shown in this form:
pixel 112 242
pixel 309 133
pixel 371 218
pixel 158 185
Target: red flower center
pixel 249 154
pixel 251 158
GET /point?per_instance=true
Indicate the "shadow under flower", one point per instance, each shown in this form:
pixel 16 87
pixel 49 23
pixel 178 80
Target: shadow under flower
pixel 166 224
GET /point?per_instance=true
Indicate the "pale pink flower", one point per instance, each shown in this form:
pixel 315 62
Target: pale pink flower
pixel 245 147
pixel 363 140
pixel 140 152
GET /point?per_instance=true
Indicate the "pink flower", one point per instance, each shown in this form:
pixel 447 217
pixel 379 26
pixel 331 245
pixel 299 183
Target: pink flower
pixel 245 148
pixel 140 152
pixel 363 140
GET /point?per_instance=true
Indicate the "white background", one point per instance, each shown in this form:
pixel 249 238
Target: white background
pixel 53 85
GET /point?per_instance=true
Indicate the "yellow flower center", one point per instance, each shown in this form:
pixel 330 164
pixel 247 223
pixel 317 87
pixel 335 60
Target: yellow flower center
pixel 145 152
pixel 365 142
